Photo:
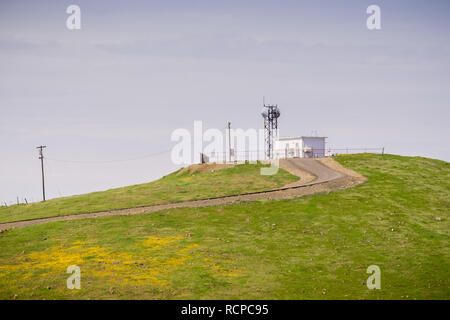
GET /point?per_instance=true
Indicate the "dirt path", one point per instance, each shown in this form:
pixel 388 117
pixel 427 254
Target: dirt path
pixel 315 176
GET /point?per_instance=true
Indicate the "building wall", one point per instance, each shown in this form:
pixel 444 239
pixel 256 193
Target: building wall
pixel 297 147
pixel 293 146
pixel 316 145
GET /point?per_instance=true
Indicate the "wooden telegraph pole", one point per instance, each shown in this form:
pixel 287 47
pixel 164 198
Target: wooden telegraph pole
pixel 229 141
pixel 41 157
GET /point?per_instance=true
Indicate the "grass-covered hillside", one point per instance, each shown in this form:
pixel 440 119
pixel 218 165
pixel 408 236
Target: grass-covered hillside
pixel 178 186
pixel 314 247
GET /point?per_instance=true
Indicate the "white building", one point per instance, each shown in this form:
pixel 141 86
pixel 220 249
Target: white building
pixel 300 147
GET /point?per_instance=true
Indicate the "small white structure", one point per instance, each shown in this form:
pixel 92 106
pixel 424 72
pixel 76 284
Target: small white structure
pixel 300 147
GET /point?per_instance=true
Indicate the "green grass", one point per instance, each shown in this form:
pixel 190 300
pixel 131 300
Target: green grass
pixel 171 188
pixel 314 247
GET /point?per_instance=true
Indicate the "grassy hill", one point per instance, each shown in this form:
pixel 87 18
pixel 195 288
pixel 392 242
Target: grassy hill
pixel 178 186
pixel 314 247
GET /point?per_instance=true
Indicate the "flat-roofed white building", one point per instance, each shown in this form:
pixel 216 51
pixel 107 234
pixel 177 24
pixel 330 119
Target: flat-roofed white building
pixel 300 147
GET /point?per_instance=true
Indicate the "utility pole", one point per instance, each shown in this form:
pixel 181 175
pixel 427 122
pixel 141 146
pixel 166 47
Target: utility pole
pixel 229 141
pixel 41 157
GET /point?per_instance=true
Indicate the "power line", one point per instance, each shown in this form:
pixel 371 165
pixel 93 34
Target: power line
pixel 51 171
pixel 112 161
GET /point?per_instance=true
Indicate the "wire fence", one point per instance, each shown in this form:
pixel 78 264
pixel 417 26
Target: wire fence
pixel 259 155
pixel 18 201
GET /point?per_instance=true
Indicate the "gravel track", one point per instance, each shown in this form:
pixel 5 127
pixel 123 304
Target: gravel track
pixel 316 176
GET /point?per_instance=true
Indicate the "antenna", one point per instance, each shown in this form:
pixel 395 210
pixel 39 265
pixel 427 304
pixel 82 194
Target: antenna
pixel 270 113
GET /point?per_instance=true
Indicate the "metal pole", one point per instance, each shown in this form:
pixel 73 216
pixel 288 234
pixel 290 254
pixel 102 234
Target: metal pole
pixel 229 141
pixel 41 157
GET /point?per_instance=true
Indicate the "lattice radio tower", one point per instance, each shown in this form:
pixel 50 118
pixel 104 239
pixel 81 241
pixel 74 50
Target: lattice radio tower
pixel 270 113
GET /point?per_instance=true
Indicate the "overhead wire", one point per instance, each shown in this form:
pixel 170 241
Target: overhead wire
pixel 111 161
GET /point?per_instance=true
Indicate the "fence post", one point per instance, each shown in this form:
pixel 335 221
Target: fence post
pixel 382 151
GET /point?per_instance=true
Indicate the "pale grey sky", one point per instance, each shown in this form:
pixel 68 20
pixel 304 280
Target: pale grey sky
pixel 138 70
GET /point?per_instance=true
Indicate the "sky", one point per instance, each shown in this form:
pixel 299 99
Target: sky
pixel 105 99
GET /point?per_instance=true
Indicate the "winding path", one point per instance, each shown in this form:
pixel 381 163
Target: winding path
pixel 316 175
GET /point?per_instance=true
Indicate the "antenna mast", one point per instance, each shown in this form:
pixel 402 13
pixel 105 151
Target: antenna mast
pixel 270 113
